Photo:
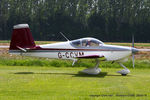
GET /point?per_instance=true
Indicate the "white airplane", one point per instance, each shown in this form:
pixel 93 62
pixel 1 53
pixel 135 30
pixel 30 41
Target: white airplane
pixel 22 43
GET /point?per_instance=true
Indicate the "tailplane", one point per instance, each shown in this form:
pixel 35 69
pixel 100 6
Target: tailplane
pixel 21 37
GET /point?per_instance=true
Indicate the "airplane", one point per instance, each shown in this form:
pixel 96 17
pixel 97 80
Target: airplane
pixel 22 43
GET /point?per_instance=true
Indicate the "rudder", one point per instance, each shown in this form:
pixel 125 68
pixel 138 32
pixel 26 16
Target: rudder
pixel 21 37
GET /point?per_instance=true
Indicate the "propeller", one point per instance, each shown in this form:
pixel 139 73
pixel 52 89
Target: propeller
pixel 133 51
pixel 133 60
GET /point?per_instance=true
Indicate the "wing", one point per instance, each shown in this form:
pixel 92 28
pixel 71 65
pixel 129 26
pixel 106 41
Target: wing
pixel 101 57
pixel 91 56
pixel 25 49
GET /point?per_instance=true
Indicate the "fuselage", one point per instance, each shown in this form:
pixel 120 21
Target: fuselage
pixel 76 48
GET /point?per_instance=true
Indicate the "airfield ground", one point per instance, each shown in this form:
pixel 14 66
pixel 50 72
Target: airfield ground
pixel 51 83
pixel 65 83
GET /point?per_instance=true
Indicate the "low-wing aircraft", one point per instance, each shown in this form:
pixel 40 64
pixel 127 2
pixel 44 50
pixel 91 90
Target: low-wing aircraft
pixel 22 43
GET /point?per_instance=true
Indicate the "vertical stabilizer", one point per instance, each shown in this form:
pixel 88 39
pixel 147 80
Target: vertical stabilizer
pixel 21 37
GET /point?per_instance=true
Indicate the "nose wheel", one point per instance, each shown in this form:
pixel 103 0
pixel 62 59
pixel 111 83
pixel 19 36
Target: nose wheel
pixel 125 71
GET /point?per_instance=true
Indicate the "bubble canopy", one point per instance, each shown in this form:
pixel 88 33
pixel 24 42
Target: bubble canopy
pixel 87 42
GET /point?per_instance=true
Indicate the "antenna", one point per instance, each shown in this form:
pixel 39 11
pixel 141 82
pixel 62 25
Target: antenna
pixel 64 36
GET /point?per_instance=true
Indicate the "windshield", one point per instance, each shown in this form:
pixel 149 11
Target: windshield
pixel 90 43
pixel 87 42
pixel 76 43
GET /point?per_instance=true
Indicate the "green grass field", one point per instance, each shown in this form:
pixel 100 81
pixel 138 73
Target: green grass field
pixel 51 83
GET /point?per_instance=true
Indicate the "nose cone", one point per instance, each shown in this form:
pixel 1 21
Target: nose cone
pixel 134 50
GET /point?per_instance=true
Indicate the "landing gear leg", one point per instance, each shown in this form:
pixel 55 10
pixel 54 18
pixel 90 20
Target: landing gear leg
pixel 93 71
pixel 125 71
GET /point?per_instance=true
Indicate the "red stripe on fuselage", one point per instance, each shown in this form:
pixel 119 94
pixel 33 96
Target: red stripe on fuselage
pixel 57 49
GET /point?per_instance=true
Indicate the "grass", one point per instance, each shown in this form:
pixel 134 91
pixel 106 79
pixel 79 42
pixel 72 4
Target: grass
pixel 4 41
pixel 65 83
pixel 42 62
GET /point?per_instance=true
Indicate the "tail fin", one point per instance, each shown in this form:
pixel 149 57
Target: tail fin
pixel 21 37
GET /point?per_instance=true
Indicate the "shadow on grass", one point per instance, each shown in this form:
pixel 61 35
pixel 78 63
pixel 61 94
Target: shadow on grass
pixel 119 75
pixel 24 73
pixel 44 73
pixel 100 75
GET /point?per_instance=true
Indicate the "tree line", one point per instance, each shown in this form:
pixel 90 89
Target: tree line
pixel 107 20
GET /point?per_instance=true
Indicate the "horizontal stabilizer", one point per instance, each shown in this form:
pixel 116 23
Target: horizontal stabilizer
pixel 22 49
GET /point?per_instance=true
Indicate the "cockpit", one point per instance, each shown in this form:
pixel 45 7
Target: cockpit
pixel 87 42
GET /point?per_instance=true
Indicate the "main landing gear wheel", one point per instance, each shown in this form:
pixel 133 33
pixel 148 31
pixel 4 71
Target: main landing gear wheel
pixel 125 71
pixel 93 71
